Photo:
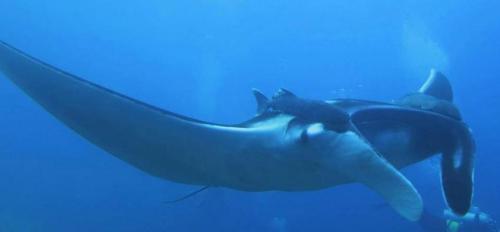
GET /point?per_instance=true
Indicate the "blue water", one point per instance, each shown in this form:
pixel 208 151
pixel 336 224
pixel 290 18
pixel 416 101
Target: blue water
pixel 201 58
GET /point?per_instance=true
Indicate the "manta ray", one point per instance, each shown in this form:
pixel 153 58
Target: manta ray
pixel 292 144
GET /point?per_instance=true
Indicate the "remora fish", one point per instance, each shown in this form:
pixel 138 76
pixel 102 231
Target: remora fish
pixel 284 148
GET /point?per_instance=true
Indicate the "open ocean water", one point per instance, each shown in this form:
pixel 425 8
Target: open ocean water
pixel 201 58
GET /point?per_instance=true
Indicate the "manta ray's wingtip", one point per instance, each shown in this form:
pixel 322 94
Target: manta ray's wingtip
pixel 437 85
pixel 8 46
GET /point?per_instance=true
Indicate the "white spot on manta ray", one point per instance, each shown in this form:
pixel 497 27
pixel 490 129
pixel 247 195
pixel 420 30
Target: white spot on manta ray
pixel 315 129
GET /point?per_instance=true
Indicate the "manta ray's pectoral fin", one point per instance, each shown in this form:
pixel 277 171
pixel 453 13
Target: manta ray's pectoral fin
pixel 457 174
pixel 438 86
pixel 375 172
pixel 452 137
pixel 396 189
pixel 457 165
pixel 262 101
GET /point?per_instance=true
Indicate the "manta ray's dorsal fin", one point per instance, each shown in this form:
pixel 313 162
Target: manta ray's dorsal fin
pixel 262 101
pixel 438 86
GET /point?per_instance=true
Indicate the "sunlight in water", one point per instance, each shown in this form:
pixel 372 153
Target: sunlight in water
pixel 421 51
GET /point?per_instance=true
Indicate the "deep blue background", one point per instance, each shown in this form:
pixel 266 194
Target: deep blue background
pixel 201 58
